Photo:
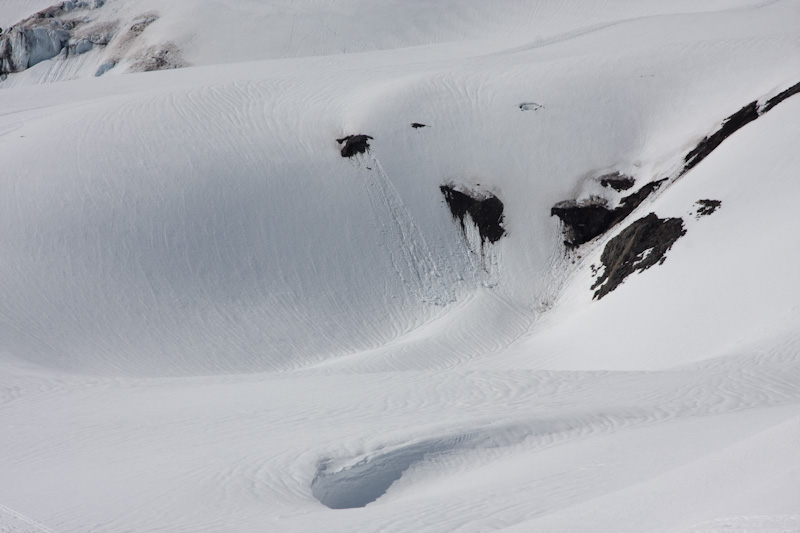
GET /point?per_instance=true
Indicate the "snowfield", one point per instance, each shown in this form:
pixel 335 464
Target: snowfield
pixel 212 321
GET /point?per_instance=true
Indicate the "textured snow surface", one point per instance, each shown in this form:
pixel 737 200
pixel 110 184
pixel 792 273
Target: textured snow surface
pixel 212 321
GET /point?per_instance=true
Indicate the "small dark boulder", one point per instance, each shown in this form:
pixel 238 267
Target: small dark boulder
pixel 617 181
pixel 707 207
pixel 354 144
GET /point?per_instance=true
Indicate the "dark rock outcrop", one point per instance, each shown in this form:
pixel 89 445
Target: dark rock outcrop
pixel 354 144
pixel 583 221
pixel 638 247
pixel 733 123
pixel 744 116
pixel 780 97
pixel 485 211
pixel 617 181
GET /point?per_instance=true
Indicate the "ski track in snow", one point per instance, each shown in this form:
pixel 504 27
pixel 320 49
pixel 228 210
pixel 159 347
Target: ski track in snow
pixel 418 259
pixel 13 522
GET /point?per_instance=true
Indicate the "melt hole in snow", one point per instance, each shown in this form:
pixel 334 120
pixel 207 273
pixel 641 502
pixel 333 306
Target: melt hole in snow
pixel 530 106
pixel 364 482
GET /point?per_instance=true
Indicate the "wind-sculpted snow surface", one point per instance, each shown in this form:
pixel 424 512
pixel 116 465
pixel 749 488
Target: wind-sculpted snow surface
pixel 215 317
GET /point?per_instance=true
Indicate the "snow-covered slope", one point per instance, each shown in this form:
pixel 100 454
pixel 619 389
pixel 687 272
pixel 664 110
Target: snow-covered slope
pixel 211 320
pixel 118 36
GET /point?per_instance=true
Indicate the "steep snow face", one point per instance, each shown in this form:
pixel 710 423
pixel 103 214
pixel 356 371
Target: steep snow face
pixel 208 223
pixel 712 299
pixel 244 296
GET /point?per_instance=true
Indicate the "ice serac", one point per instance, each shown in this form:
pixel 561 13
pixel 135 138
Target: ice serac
pixel 70 29
pixel 43 36
pixel 29 44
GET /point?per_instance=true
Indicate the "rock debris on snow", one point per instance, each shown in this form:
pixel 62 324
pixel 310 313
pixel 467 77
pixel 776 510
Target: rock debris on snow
pixel 707 207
